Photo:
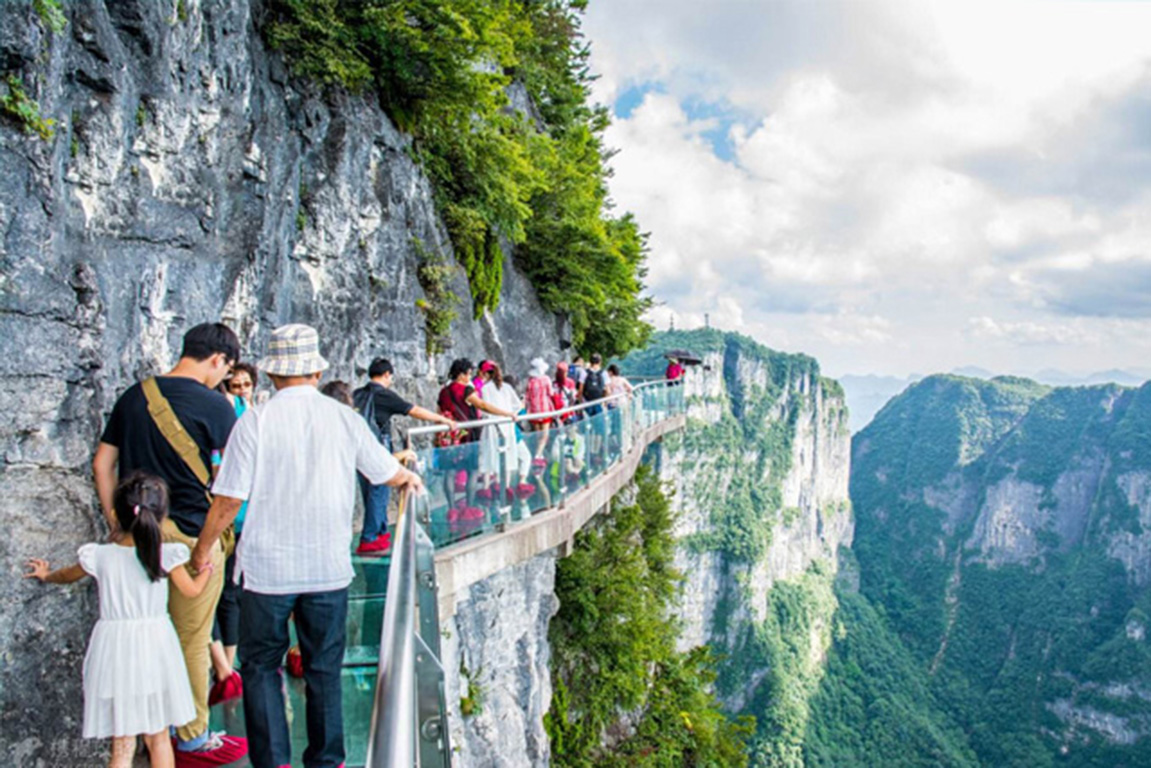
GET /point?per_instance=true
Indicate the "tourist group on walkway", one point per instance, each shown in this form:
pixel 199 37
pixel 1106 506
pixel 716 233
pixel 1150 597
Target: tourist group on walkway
pixel 246 505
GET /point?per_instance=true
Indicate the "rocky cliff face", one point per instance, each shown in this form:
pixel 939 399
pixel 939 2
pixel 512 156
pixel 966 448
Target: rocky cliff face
pixel 496 664
pixel 812 520
pixel 761 477
pixel 1003 527
pixel 189 179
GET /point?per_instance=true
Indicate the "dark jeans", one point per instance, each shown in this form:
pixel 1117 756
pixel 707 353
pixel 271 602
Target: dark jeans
pixel 375 505
pixel 228 609
pixel 321 619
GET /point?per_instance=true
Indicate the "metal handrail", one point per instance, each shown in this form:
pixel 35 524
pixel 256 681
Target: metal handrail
pixel 392 740
pixel 497 420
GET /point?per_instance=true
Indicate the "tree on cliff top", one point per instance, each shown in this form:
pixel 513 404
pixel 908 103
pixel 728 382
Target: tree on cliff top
pixel 442 70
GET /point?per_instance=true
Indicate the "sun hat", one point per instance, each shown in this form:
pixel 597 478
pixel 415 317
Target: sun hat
pixel 487 365
pixel 294 350
pixel 562 366
pixel 539 367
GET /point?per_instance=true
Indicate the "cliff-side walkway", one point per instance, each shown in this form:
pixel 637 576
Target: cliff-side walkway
pixel 491 504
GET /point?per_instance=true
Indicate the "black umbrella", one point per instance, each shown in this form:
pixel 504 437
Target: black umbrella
pixel 685 357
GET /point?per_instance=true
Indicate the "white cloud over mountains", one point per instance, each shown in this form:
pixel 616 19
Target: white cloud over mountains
pixel 891 186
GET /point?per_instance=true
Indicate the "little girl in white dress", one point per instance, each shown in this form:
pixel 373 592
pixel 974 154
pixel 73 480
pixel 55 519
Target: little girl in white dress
pixel 135 681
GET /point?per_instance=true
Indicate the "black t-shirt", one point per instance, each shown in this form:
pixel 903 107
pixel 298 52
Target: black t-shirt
pixel 387 404
pixel 207 417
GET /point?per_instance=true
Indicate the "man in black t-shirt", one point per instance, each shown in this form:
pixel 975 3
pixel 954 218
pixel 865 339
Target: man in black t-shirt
pixel 132 441
pixel 374 538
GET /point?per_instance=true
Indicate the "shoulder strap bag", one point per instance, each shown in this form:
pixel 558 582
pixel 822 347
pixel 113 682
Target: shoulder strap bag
pixel 182 443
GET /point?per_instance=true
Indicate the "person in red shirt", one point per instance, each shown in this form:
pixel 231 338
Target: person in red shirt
pixel 674 373
pixel 460 402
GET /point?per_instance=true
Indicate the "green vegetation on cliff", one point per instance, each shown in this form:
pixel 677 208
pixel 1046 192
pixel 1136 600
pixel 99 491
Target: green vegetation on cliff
pixel 874 705
pixel 529 174
pixel 788 647
pixel 917 440
pixel 989 515
pixel 750 445
pixel 614 656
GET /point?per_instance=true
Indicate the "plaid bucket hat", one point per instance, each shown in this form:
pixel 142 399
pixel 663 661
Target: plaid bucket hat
pixel 294 350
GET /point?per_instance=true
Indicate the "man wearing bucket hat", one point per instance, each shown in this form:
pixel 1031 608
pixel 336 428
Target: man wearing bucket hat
pixel 294 460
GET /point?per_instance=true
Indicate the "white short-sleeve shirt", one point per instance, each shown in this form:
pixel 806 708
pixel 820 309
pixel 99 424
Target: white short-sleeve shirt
pixel 294 460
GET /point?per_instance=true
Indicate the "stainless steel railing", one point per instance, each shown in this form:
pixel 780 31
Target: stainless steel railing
pixel 489 421
pixel 407 725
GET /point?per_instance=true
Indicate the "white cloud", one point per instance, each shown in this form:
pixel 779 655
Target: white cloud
pixel 1029 332
pixel 848 329
pixel 894 170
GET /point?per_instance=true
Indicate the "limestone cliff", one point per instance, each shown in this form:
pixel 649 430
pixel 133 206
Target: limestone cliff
pixel 496 665
pixel 189 179
pixel 760 476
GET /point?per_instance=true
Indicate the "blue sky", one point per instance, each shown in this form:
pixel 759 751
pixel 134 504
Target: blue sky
pixel 892 187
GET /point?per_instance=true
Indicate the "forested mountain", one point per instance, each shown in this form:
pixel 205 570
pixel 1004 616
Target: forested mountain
pixel 1004 551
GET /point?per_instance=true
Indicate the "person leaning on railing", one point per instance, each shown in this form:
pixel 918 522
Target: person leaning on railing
pixel 459 402
pixel 378 403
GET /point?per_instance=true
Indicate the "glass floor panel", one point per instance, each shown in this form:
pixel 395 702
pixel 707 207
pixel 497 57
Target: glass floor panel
pixel 359 686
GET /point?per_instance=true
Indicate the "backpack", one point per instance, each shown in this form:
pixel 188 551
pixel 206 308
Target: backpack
pixel 593 386
pixel 563 397
pixel 365 405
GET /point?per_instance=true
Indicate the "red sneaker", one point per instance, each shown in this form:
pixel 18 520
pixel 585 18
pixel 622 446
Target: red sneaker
pixel 295 662
pixel 219 749
pixel 376 547
pixel 231 687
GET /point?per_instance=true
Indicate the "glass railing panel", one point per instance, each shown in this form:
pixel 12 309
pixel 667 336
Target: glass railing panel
pixel 365 620
pixel 578 455
pixel 537 454
pixel 616 444
pixel 597 430
pixel 370 577
pixel 453 478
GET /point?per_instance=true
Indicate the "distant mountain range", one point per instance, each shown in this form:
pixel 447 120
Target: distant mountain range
pixel 867 393
pixel 1003 545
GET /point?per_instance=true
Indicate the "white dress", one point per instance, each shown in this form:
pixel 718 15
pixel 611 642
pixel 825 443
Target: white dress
pixel 135 680
pixel 504 397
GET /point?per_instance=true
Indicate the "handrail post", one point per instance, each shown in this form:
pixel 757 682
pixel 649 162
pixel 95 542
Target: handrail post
pixel 431 700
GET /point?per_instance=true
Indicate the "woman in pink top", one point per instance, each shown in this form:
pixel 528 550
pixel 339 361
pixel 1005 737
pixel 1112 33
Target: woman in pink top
pixel 483 376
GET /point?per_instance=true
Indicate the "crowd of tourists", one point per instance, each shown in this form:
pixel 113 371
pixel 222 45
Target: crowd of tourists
pixel 246 502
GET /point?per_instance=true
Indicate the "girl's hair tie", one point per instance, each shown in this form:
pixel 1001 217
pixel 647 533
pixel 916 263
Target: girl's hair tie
pixel 136 510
